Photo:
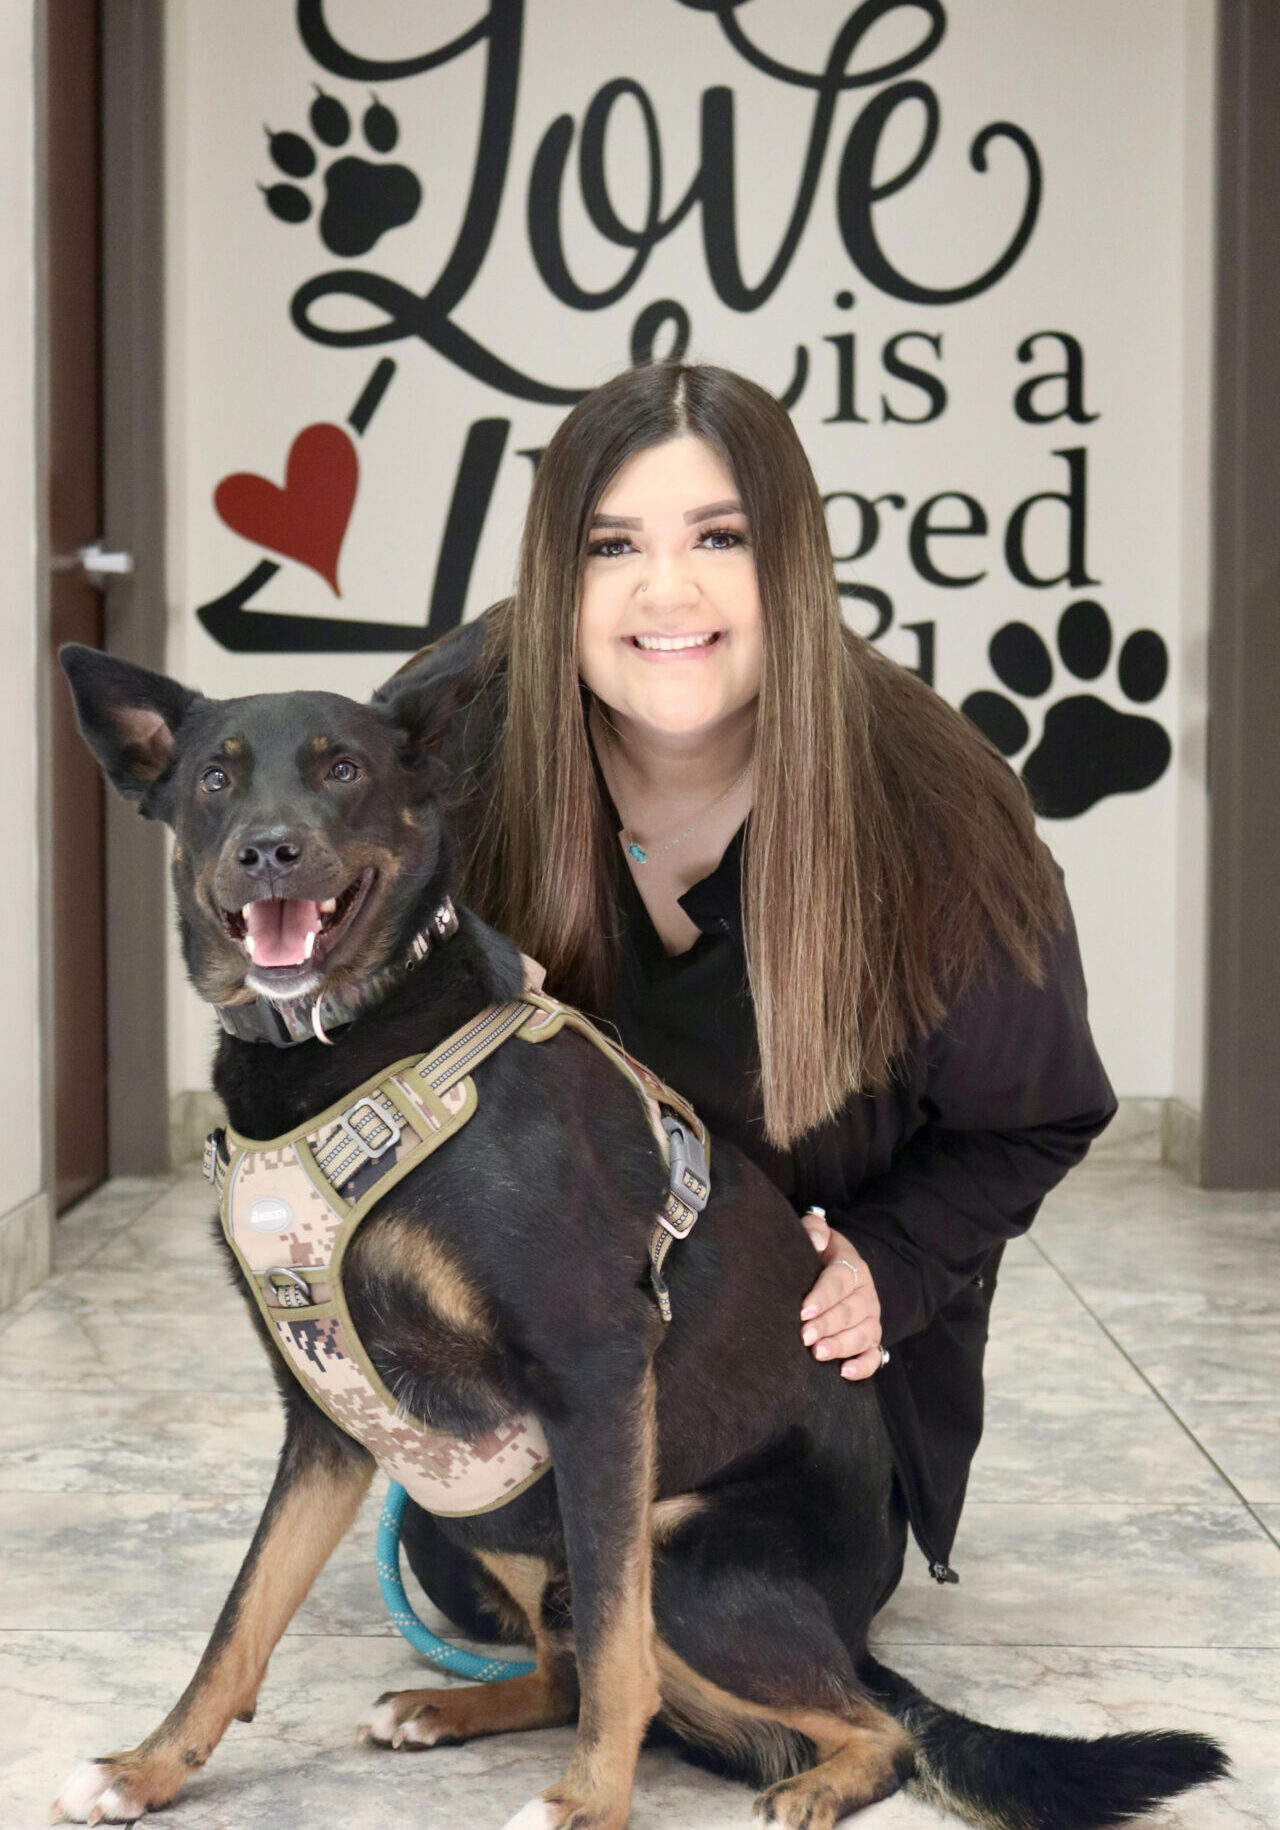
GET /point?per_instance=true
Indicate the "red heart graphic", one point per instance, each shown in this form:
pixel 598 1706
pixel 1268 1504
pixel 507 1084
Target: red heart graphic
pixel 307 519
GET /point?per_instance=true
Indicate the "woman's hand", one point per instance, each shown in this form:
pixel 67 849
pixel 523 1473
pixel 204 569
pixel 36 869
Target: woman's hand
pixel 840 1319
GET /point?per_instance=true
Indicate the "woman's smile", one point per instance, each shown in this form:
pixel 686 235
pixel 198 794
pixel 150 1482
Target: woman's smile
pixel 651 646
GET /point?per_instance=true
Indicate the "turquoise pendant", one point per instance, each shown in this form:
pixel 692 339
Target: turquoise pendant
pixel 638 852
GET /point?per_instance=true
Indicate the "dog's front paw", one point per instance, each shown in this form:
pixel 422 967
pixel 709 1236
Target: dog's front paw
pixel 426 1718
pixel 97 1792
pixel 407 1718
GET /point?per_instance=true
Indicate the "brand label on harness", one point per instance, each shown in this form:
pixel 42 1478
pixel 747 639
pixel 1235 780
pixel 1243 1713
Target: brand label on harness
pixel 269 1215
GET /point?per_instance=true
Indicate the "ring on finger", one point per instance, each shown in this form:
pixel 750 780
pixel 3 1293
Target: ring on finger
pixel 857 1276
pixel 884 1355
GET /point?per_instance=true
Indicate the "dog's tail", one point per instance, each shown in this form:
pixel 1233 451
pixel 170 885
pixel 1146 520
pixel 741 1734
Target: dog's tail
pixel 1002 1780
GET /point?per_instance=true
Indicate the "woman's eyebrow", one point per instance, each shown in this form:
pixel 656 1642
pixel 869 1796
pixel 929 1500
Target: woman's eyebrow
pixel 707 513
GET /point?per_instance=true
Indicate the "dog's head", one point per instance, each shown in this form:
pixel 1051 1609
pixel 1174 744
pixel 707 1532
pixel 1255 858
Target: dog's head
pixel 308 828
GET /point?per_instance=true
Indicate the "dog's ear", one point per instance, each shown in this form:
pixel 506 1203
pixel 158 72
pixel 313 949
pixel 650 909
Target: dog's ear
pixel 129 717
pixel 421 705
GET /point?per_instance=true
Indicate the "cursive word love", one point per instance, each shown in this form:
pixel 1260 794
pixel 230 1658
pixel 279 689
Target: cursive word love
pixel 662 327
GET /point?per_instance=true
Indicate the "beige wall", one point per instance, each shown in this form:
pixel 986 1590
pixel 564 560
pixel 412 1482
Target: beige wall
pixel 23 1213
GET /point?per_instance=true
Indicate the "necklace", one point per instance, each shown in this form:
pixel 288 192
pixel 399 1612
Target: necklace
pixel 642 856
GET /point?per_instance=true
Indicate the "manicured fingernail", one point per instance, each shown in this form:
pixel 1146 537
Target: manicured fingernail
pixel 848 1372
pixel 809 1336
pixel 810 1310
pixel 823 1351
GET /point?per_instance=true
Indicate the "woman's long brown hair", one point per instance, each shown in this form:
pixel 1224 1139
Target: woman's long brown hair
pixel 889 848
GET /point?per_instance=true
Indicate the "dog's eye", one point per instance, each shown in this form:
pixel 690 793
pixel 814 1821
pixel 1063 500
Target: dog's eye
pixel 213 780
pixel 344 770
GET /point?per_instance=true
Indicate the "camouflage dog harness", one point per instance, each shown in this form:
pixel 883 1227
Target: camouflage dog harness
pixel 290 1208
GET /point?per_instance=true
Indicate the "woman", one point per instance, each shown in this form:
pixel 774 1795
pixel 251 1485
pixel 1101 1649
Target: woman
pixel 804 889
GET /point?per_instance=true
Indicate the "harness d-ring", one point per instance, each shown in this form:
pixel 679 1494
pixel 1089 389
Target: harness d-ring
pixel 440 1652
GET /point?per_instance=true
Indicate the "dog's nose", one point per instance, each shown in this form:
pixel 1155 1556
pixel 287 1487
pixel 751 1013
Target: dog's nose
pixel 266 853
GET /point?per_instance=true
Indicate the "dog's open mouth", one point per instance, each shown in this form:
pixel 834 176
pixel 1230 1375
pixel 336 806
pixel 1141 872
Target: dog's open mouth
pixel 288 932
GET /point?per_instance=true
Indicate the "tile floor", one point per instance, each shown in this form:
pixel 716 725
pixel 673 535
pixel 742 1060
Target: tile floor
pixel 1120 1552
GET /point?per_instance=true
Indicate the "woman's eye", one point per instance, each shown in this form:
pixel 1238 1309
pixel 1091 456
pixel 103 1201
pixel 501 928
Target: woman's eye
pixel 344 770
pixel 723 539
pixel 214 780
pixel 613 548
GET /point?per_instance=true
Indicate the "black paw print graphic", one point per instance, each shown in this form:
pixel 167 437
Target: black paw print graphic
pixel 1087 749
pixel 362 200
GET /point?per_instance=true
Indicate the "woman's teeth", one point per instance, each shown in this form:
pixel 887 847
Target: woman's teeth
pixel 674 641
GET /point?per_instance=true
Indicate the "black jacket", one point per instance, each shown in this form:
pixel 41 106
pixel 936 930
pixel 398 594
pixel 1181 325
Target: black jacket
pixel 929 1178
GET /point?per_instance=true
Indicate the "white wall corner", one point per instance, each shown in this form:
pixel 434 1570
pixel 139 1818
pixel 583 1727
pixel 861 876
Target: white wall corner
pixel 24 1101
pixel 1198 266
pixel 26 1243
pixel 189 1039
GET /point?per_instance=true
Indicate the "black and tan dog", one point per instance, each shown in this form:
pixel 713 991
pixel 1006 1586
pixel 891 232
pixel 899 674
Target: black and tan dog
pixel 715 1535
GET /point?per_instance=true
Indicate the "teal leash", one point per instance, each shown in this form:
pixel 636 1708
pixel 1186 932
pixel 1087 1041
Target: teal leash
pixel 439 1651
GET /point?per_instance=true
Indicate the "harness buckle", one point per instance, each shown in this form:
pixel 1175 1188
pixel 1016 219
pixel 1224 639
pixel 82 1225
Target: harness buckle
pixel 370 1150
pixel 291 1289
pixel 690 1179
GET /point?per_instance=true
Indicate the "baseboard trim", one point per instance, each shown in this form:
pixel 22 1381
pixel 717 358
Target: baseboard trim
pixel 1153 1131
pixel 1180 1140
pixel 26 1241
pixel 1133 1136
pixel 1142 1131
pixel 192 1116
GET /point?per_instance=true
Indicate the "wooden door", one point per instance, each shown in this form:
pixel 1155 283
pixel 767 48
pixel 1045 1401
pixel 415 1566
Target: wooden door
pixel 73 328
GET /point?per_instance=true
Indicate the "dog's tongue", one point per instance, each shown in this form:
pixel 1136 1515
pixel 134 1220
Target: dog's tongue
pixel 279 930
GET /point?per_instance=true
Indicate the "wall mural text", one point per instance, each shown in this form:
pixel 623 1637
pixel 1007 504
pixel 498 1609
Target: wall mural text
pixel 337 175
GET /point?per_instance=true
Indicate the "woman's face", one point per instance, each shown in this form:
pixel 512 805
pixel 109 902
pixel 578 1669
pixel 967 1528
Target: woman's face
pixel 669 617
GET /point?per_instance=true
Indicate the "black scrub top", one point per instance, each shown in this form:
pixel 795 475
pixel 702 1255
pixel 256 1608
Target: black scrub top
pixel 928 1178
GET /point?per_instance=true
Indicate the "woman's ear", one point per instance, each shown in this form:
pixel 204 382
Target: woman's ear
pixel 129 717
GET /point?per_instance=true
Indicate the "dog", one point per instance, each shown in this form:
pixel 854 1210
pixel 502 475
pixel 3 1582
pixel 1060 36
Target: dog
pixel 714 1534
